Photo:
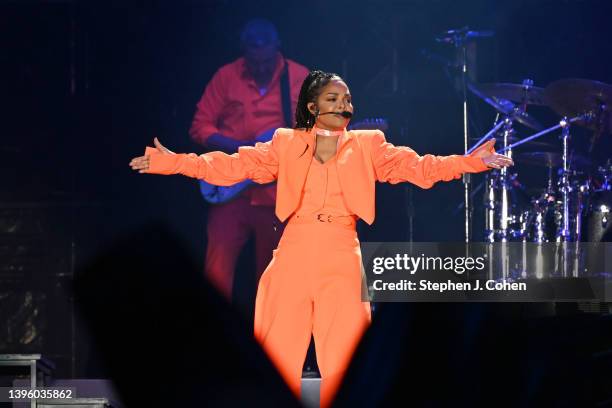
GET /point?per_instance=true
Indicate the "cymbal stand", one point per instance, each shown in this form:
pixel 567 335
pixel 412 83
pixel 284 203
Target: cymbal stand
pixel 460 42
pixel 497 180
pixel 491 183
pixel 544 132
pixel 563 234
pixel 505 210
pixel 459 39
pixel 487 136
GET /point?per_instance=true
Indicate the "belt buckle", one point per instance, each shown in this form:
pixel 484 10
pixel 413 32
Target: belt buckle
pixel 322 220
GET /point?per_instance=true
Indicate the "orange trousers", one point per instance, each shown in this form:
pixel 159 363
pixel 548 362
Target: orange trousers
pixel 312 286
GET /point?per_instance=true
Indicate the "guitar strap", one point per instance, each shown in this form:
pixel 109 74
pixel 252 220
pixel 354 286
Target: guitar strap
pixel 286 95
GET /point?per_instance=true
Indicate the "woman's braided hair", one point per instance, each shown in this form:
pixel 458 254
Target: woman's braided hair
pixel 310 91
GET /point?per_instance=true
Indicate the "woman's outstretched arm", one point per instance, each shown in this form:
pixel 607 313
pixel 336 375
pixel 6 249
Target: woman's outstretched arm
pixel 395 164
pixel 258 163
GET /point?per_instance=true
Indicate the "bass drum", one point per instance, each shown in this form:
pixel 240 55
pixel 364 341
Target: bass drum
pixel 597 219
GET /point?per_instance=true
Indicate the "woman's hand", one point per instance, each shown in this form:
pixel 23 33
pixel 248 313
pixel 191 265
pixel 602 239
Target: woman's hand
pixel 492 159
pixel 142 163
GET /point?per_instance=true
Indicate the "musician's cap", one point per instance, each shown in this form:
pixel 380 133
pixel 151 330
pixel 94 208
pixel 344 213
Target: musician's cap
pixel 259 32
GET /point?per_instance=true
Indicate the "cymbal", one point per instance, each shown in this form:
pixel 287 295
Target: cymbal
pixel 522 94
pixel 506 107
pixel 573 96
pixel 551 159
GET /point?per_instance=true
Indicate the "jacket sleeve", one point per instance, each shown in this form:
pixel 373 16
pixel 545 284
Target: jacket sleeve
pixel 258 163
pixel 395 164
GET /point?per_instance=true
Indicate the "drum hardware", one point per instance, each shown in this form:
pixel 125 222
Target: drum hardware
pixel 541 133
pixel 506 107
pixel 564 233
pixel 514 224
pixel 523 94
pixel 486 137
pixel 545 205
pixel 500 180
pixel 544 214
pixel 596 217
pixel 551 159
pixel 596 225
pixel 505 213
pixel 545 220
pixel 459 38
pixel 568 97
pixel 606 177
pixel 514 138
pixel 574 205
pixel 571 97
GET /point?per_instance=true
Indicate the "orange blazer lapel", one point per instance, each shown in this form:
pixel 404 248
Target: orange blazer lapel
pixel 356 176
pixel 294 164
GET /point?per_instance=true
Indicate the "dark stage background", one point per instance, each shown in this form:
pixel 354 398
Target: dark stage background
pixel 86 85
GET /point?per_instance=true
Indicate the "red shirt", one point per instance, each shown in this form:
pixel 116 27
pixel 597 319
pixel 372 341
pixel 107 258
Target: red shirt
pixel 233 106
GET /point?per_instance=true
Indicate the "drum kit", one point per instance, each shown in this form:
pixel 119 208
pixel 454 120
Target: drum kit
pixel 567 212
pixel 575 203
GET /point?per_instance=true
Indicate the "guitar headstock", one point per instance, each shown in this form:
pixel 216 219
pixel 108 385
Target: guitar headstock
pixel 370 124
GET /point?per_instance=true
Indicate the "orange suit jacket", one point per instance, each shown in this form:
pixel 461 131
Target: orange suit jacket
pixel 363 157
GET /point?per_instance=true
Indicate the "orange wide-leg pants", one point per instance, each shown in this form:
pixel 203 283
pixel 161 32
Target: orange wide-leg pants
pixel 312 286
